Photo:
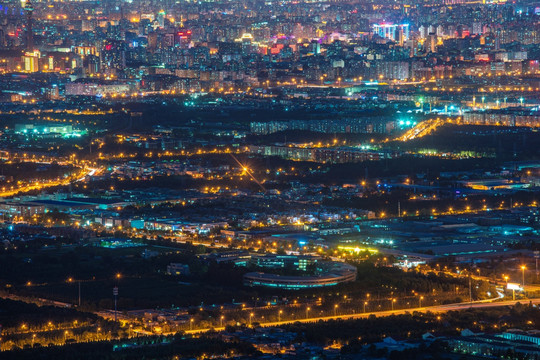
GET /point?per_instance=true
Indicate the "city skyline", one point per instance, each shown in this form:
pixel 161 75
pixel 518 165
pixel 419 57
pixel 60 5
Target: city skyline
pixel 269 179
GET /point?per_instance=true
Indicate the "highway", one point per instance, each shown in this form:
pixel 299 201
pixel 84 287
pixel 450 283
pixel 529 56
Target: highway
pixel 433 309
pixel 75 177
pixel 422 129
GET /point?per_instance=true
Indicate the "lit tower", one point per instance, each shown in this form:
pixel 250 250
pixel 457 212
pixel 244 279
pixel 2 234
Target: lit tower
pixel 161 18
pixel 28 9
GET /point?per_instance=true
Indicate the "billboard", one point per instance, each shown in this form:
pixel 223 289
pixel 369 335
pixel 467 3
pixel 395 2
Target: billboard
pixel 513 286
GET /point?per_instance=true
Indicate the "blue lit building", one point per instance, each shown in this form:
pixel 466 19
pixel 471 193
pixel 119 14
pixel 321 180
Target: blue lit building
pixel 394 32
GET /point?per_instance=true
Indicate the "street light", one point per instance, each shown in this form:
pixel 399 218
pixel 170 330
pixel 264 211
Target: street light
pixel 523 276
pixel 70 280
pixel 365 303
pixel 221 321
pixel 115 294
pixel 307 310
pixel 335 309
pixel 393 301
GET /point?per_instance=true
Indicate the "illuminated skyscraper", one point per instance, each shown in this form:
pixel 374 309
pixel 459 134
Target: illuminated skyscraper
pixel 393 32
pixel 29 9
pixel 113 56
pixel 161 19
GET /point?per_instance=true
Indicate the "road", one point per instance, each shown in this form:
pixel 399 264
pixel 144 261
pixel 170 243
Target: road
pixel 433 309
pixel 75 177
pixel 422 129
pixel 481 304
pixel 36 301
pixel 501 283
pixel 527 287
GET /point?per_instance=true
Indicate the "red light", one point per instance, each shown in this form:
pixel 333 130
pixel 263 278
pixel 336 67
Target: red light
pixel 108 47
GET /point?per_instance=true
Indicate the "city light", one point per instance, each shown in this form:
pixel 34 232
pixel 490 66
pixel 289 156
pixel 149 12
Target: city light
pixel 230 179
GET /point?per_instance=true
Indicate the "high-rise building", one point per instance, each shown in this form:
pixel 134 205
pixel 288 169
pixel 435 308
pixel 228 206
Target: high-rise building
pixel 29 9
pixel 113 56
pixel 394 32
pixel 161 19
pixel 431 43
pixel 183 38
pixel 31 61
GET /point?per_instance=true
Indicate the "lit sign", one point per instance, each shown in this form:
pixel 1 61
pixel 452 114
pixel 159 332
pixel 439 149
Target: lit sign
pixel 513 286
